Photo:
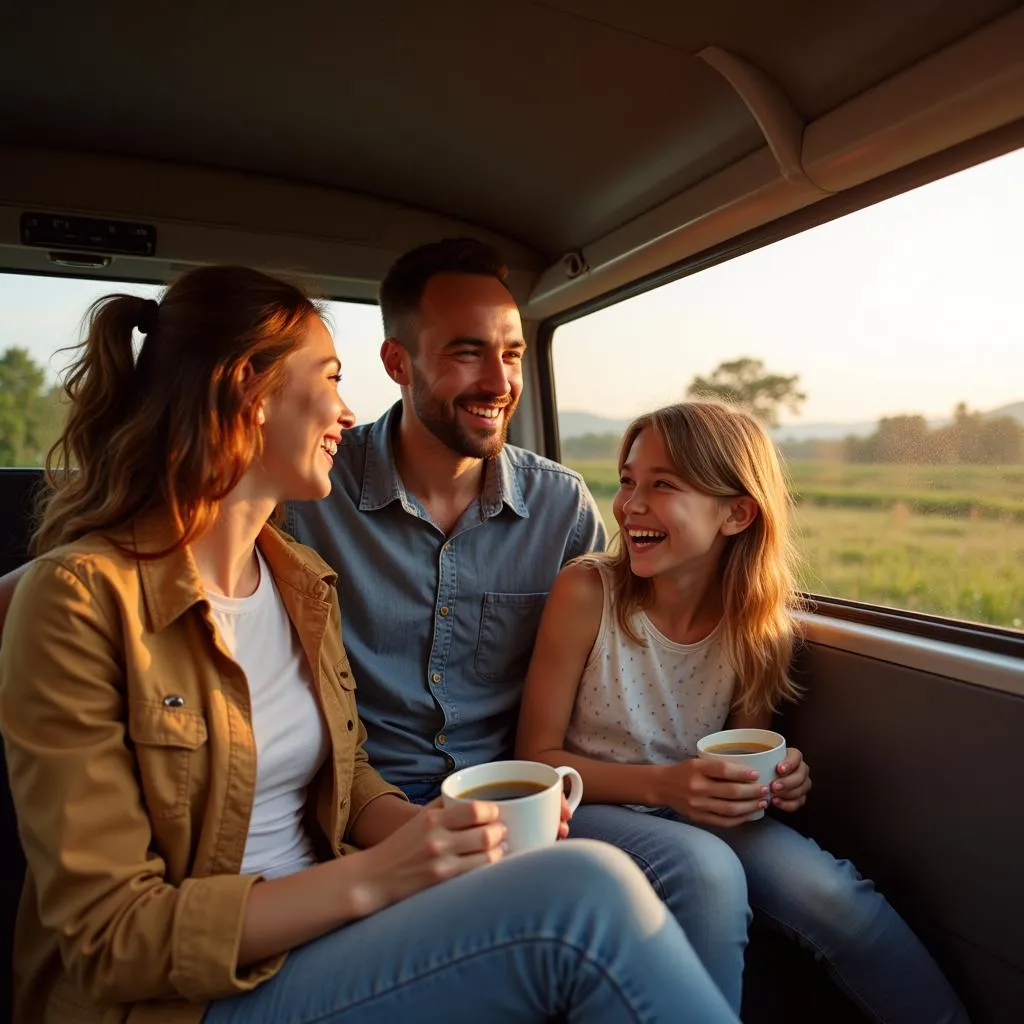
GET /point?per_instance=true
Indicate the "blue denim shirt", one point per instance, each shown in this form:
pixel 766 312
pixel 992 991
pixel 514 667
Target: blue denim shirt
pixel 439 629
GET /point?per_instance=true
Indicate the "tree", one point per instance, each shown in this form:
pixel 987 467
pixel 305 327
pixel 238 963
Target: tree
pixel 901 439
pixel 744 382
pixel 1002 441
pixel 31 414
pixel 970 439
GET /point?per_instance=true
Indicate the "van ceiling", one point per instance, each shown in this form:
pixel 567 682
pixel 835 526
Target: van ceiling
pixel 549 122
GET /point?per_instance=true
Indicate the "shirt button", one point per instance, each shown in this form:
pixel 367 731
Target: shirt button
pixel 442 739
pixel 436 677
pixel 173 700
pixel 444 609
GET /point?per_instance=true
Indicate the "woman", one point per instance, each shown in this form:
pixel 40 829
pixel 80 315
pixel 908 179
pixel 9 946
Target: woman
pixel 204 836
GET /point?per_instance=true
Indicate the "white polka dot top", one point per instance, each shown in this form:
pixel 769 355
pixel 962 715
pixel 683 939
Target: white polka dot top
pixel 648 705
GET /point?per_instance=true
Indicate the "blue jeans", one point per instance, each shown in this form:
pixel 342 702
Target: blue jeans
pixel 711 878
pixel 572 932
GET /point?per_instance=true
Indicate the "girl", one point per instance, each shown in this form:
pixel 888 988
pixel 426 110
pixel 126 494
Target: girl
pixel 205 838
pixel 684 630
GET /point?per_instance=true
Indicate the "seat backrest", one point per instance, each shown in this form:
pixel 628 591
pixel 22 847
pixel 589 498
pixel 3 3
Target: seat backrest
pixel 895 751
pixel 18 490
pixel 12 866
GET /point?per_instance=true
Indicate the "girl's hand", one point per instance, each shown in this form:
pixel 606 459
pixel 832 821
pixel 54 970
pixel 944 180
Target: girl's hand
pixel 712 792
pixel 790 790
pixel 563 825
pixel 438 844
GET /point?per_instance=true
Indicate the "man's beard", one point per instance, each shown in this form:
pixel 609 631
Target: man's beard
pixel 442 420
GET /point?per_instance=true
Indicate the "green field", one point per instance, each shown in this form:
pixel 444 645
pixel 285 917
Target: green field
pixel 942 539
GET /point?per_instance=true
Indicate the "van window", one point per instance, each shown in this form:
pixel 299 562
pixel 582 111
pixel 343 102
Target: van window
pixel 886 351
pixel 40 315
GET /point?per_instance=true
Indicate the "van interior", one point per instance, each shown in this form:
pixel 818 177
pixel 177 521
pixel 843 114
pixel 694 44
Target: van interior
pixel 603 147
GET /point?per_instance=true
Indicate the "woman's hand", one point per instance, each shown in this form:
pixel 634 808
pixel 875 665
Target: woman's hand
pixel 712 792
pixel 437 844
pixel 790 789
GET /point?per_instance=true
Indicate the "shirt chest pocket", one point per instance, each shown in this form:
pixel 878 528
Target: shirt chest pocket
pixel 170 747
pixel 508 629
pixel 340 700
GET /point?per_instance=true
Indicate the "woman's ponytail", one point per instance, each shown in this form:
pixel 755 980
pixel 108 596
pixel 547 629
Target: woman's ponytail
pixel 99 389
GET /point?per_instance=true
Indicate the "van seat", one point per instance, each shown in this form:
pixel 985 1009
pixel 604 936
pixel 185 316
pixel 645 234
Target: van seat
pixel 18 488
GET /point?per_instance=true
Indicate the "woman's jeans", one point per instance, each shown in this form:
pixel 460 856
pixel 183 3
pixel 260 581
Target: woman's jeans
pixel 572 932
pixel 706 877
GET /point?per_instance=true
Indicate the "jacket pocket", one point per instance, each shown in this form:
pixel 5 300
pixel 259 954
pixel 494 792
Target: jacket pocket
pixel 508 629
pixel 342 673
pixel 338 694
pixel 168 742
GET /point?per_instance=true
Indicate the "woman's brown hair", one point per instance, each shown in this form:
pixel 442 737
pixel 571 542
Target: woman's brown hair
pixel 176 428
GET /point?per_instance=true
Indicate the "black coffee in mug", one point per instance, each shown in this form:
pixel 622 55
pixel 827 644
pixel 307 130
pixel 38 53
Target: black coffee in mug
pixel 510 790
pixel 748 747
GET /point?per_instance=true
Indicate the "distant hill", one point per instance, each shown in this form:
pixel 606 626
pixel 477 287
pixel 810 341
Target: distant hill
pixel 573 423
pixel 576 424
pixel 1014 409
pixel 822 431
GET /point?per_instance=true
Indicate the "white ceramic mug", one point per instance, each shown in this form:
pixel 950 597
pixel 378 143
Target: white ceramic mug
pixel 532 820
pixel 764 762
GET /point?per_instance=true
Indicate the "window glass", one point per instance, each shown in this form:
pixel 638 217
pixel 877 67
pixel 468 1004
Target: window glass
pixel 886 348
pixel 40 315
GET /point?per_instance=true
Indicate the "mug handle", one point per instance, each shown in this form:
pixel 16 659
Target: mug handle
pixel 575 786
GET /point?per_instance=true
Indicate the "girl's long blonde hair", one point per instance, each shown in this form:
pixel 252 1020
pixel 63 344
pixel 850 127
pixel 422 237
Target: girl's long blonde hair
pixel 726 453
pixel 176 428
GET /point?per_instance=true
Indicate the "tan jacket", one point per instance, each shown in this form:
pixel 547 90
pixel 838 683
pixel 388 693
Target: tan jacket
pixel 132 763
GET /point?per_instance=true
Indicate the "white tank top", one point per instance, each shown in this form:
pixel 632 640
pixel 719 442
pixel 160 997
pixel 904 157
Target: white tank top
pixel 648 705
pixel 291 736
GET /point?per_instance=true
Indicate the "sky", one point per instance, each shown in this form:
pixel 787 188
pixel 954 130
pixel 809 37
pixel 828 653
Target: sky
pixel 44 314
pixel 911 305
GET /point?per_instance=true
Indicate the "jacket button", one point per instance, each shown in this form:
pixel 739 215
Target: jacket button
pixel 344 675
pixel 350 726
pixel 174 701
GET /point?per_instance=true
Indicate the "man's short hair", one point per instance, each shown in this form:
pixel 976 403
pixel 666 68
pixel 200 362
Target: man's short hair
pixel 403 285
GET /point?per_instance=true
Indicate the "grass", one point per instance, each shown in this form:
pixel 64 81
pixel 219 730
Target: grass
pixel 947 540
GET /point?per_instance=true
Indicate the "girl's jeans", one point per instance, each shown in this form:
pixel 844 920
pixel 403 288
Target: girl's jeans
pixel 711 879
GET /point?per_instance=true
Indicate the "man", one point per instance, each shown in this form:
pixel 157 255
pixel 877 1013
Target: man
pixel 446 539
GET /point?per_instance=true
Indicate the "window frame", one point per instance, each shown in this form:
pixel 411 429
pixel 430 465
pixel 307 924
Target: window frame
pixel 977 636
